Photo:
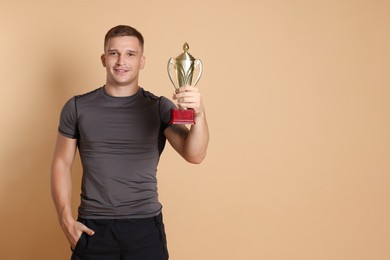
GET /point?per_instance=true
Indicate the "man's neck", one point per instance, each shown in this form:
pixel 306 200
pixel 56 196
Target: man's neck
pixel 121 91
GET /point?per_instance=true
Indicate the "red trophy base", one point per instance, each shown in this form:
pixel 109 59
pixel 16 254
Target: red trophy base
pixel 181 116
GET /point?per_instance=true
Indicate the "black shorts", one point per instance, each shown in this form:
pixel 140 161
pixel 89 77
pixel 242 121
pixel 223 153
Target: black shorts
pixel 123 239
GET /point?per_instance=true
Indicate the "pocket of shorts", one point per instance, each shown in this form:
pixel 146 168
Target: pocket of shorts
pixel 81 243
pixel 163 238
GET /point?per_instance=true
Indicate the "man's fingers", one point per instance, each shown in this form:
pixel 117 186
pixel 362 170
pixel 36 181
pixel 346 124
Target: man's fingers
pixel 88 231
pixel 83 228
pixel 187 88
pixel 188 97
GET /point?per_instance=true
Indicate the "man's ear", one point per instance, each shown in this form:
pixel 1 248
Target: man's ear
pixel 103 59
pixel 142 62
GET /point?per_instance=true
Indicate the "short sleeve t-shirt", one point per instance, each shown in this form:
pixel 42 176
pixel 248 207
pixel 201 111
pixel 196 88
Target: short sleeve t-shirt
pixel 120 140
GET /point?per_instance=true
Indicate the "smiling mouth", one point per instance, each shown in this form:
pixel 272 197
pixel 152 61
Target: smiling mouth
pixel 121 71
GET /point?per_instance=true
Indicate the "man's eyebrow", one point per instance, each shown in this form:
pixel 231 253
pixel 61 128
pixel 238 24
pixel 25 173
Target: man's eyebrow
pixel 131 51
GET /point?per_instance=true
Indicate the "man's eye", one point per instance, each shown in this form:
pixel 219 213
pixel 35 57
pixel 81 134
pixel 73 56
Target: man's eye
pixel 113 53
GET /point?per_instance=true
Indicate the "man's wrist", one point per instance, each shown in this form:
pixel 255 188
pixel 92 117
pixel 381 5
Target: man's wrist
pixel 200 117
pixel 66 218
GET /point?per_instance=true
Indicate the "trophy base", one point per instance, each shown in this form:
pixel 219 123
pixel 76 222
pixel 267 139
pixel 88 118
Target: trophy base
pixel 181 117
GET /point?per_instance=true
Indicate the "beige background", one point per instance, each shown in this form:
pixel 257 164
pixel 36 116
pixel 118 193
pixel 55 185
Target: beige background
pixel 297 96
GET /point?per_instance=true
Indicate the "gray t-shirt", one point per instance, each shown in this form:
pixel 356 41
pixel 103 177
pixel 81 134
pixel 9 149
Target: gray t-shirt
pixel 120 140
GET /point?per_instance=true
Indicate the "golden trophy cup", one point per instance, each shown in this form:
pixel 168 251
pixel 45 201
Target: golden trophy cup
pixel 182 71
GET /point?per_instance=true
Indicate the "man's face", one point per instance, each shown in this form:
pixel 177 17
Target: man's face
pixel 123 59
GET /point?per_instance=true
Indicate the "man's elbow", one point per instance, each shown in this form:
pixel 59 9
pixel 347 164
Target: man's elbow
pixel 195 159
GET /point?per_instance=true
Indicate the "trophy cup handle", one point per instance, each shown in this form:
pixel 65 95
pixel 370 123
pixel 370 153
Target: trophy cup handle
pixel 171 62
pixel 198 63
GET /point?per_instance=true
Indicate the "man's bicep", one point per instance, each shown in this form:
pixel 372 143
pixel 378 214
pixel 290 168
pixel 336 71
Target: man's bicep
pixel 65 150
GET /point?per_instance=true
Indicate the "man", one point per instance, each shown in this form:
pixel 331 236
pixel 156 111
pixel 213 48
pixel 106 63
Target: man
pixel 120 130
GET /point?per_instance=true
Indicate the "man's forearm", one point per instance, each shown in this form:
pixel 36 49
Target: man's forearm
pixel 197 140
pixel 61 189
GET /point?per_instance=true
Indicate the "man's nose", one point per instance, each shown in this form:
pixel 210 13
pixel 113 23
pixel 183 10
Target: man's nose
pixel 120 60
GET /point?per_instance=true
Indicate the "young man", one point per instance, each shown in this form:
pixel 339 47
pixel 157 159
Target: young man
pixel 120 130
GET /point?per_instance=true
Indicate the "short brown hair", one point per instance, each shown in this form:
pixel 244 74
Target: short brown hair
pixel 123 30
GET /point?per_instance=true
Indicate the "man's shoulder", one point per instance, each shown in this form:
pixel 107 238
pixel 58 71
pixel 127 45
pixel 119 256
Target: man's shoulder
pixel 149 94
pixel 88 94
